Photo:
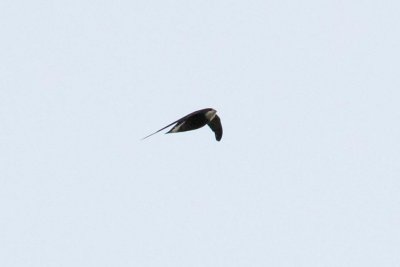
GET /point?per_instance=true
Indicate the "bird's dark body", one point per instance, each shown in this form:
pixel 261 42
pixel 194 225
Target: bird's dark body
pixel 192 123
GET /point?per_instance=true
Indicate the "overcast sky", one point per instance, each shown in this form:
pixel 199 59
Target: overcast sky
pixel 306 174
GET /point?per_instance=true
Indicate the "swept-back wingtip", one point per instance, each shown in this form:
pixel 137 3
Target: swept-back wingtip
pixel 141 139
pixel 160 130
pixel 148 136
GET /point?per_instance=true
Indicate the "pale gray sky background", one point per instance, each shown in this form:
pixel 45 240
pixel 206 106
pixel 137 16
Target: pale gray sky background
pixel 307 172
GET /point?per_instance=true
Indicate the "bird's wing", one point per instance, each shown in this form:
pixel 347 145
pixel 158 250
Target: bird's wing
pixel 216 127
pixel 161 129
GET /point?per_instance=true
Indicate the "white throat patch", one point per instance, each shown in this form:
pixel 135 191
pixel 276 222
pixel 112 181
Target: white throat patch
pixel 211 114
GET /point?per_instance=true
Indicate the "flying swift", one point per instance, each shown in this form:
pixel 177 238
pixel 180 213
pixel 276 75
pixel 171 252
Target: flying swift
pixel 196 120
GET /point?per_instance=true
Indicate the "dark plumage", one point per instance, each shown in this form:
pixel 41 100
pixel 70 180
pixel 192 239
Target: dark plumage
pixel 196 120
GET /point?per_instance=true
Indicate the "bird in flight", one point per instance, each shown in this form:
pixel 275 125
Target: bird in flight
pixel 196 120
